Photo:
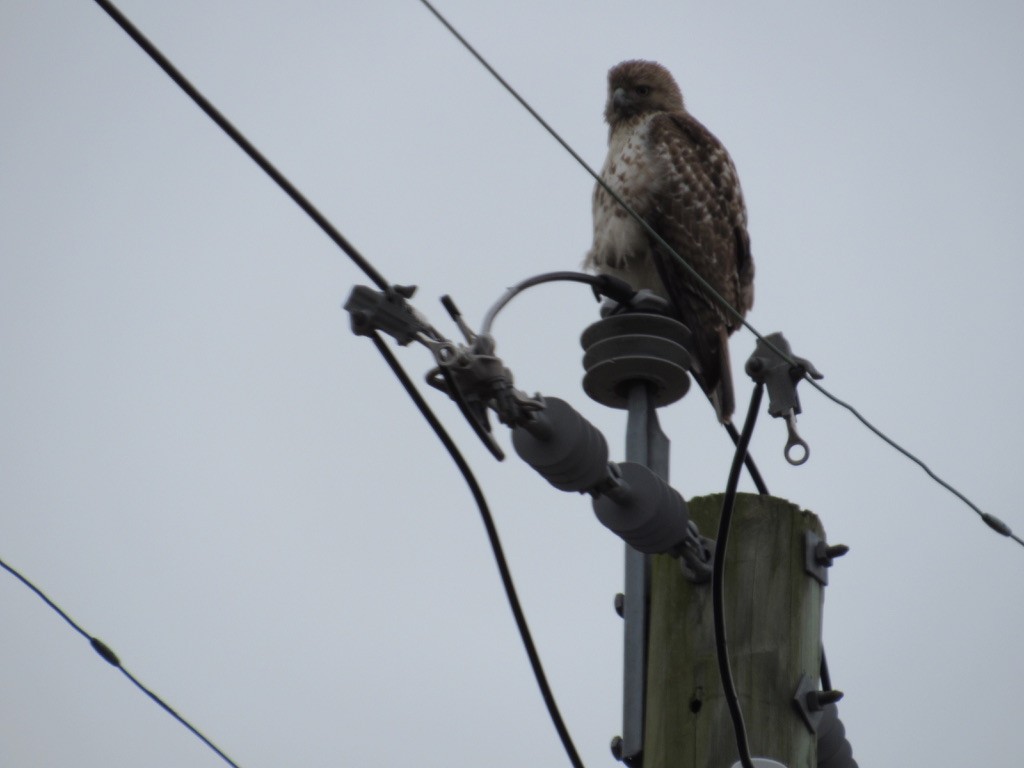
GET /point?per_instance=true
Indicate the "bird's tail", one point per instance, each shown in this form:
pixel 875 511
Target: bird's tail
pixel 710 348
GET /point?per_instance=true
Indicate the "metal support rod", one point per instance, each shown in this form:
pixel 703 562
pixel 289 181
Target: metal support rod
pixel 645 444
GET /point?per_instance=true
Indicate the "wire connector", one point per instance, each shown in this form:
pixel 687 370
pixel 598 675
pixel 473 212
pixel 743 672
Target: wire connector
pixel 481 377
pixel 387 311
pixel 774 365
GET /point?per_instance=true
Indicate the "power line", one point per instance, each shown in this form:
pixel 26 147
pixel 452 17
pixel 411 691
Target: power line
pixel 225 125
pixel 111 658
pixel 992 521
pixel 164 63
pixel 375 276
pixel 492 536
pixel 597 177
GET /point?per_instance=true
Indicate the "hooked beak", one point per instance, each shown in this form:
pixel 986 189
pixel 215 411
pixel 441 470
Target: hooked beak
pixel 620 99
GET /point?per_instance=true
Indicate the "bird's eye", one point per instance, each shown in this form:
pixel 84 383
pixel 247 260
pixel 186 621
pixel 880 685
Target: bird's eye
pixel 642 90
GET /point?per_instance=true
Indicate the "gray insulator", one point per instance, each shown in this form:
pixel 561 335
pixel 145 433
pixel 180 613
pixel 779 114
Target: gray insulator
pixel 623 349
pixel 834 751
pixel 652 517
pixel 566 449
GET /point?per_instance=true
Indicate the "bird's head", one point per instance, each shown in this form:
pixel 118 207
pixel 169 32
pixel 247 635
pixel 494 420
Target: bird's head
pixel 640 87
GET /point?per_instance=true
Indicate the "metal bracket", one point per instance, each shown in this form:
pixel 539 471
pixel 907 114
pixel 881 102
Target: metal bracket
pixel 812 564
pixel 696 556
pixel 809 701
pixel 805 688
pixel 387 311
pixel 819 556
pixel 771 365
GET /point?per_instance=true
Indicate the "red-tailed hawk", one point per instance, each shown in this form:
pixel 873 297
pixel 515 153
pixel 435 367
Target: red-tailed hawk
pixel 679 178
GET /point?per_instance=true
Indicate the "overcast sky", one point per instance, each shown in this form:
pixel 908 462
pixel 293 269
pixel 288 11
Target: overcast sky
pixel 208 470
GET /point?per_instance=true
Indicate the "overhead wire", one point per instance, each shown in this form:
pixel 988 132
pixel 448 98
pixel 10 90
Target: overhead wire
pixel 371 272
pixel 111 658
pixel 597 177
pixel 246 146
pixel 381 283
pixel 992 521
pixel 495 541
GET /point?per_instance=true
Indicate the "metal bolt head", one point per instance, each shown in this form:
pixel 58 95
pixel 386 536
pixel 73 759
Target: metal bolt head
pixel 836 550
pixel 616 747
pixel 824 554
pixel 817 700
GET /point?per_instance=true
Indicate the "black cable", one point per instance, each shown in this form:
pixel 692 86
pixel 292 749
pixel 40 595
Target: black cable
pixel 826 677
pixel 214 114
pixel 748 460
pixel 111 658
pixel 718 579
pixel 492 535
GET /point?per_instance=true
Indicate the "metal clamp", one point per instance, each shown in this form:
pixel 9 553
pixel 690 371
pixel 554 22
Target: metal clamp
pixel 774 365
pixel 819 556
pixel 809 701
pixel 387 311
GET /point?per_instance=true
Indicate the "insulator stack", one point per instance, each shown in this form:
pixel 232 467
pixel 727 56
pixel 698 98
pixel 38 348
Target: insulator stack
pixel 650 515
pixel 621 350
pixel 566 449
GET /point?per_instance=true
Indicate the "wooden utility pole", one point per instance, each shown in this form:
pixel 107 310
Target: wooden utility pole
pixel 773 620
pixel 675 714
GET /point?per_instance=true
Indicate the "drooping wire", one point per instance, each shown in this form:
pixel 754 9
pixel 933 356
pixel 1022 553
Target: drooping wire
pixel 111 658
pixel 246 146
pixel 495 541
pixel 991 520
pixel 718 579
pixel 530 282
pixel 381 283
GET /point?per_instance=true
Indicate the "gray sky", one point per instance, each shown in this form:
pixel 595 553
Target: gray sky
pixel 205 468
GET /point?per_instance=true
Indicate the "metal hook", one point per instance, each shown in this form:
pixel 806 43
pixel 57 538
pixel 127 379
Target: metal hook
pixel 795 441
pixel 774 365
